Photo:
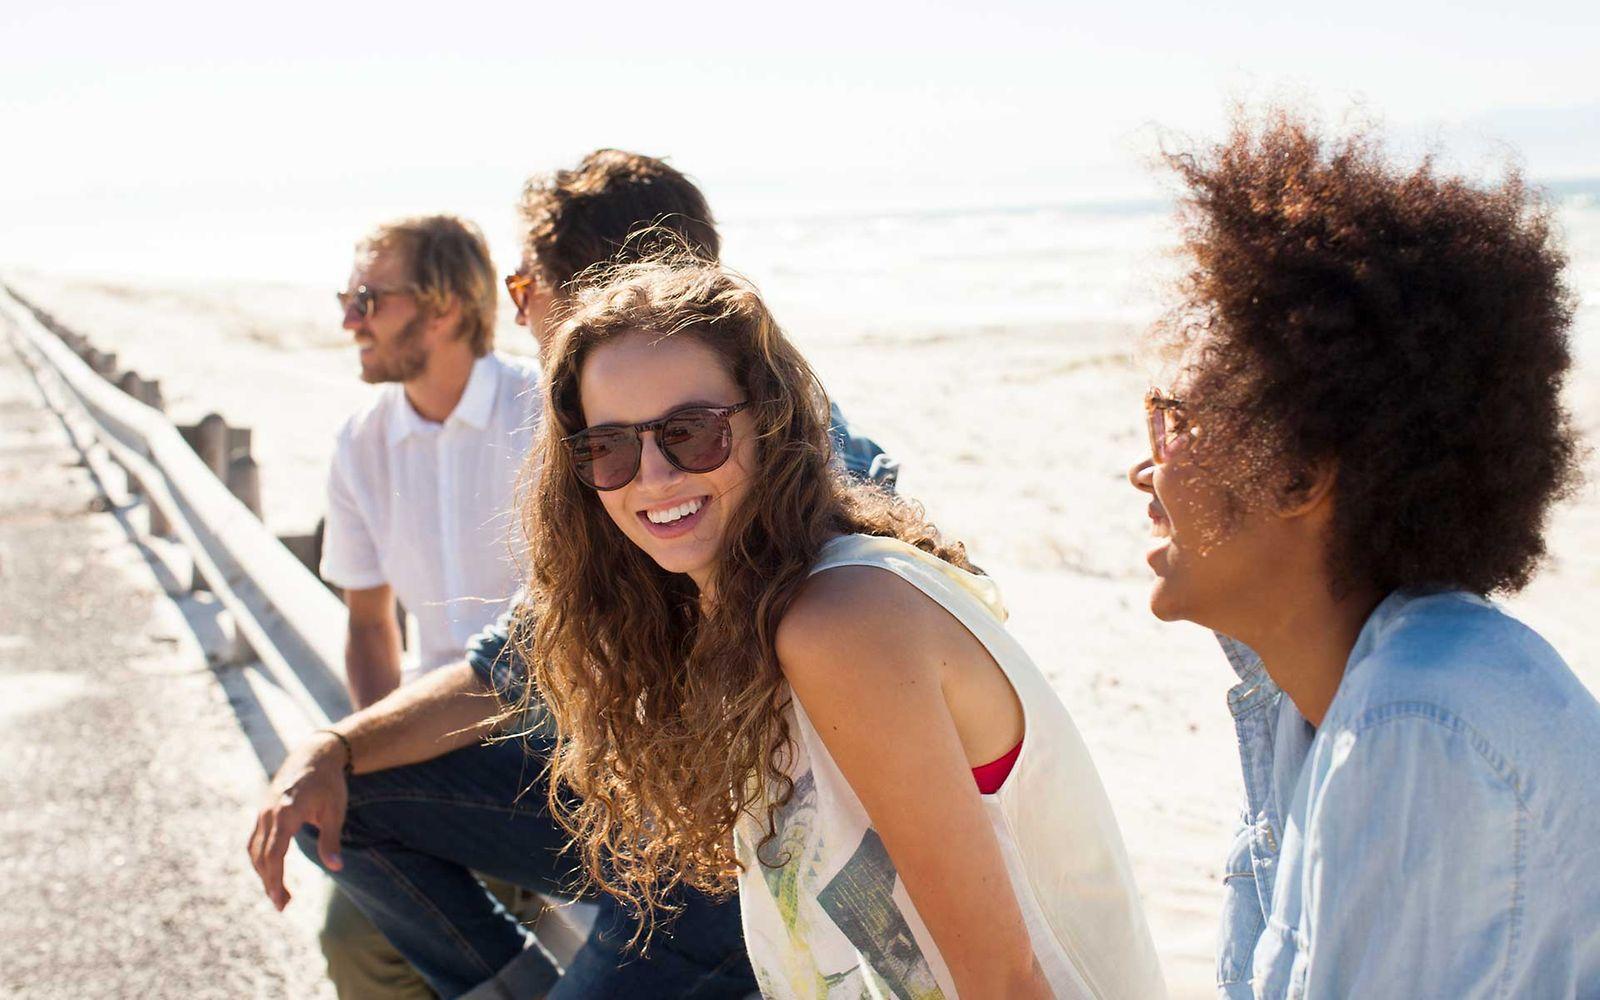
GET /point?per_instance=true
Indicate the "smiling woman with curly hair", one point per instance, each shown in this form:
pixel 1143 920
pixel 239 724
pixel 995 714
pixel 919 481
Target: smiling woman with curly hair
pixel 763 676
pixel 1362 443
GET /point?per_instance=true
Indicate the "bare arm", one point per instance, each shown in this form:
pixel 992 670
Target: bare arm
pixel 866 654
pixel 443 711
pixel 372 644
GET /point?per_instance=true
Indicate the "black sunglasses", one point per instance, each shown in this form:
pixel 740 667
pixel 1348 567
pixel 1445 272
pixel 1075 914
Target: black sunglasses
pixel 693 439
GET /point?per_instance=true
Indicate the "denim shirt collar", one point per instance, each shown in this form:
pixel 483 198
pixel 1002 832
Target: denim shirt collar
pixel 1255 686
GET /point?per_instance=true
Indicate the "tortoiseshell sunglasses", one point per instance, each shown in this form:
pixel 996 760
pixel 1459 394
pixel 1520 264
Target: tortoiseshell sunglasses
pixel 520 287
pixel 694 439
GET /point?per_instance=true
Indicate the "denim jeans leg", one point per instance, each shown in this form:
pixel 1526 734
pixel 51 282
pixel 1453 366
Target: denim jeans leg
pixel 699 953
pixel 413 836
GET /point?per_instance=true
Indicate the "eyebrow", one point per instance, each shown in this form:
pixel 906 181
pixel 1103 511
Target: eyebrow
pixel 686 404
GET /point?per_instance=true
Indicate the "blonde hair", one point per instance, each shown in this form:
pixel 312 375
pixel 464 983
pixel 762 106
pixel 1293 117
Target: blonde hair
pixel 448 261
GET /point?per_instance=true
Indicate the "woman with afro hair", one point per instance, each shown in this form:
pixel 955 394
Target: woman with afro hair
pixel 1361 444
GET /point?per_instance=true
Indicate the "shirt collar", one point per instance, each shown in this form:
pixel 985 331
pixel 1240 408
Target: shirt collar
pixel 478 399
pixel 1390 611
pixel 477 402
pixel 1255 686
pixel 403 420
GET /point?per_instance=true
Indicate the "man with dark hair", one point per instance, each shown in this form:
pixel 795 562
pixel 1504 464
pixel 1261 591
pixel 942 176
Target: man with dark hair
pixel 612 204
pixel 1363 442
pixel 402 801
pixel 594 211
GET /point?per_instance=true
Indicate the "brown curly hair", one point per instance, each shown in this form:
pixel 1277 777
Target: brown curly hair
pixel 669 716
pixel 608 203
pixel 1406 325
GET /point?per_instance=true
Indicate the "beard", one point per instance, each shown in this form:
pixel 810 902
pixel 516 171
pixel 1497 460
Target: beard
pixel 403 359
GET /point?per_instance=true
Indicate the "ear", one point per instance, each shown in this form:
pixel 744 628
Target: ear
pixel 1308 488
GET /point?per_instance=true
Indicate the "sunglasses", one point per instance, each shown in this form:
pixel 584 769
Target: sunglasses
pixel 520 288
pixel 693 439
pixel 363 302
pixel 1164 429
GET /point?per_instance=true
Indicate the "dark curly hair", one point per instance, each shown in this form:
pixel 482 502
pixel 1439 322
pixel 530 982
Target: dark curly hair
pixel 1406 325
pixel 611 201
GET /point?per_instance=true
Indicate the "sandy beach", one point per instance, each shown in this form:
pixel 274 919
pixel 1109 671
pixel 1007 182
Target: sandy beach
pixel 1015 429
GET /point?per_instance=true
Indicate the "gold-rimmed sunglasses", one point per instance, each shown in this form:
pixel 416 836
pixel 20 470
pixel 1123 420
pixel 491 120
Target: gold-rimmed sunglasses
pixel 1166 419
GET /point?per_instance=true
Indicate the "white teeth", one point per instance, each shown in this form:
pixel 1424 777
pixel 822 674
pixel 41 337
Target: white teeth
pixel 671 514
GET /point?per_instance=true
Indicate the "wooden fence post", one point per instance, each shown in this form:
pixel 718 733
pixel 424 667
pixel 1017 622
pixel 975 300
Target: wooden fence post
pixel 244 482
pixel 160 527
pixel 239 440
pixel 211 443
pixel 150 395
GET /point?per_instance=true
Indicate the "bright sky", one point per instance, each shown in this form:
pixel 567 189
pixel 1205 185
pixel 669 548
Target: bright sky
pixel 210 139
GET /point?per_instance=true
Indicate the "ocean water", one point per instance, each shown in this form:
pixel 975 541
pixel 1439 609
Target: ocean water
pixel 935 272
pixel 1082 269
pixel 952 335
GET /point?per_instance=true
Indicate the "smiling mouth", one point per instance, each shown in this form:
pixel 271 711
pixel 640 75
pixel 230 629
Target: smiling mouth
pixel 1159 525
pixel 674 520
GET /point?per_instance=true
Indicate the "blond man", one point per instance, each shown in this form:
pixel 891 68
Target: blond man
pixel 418 491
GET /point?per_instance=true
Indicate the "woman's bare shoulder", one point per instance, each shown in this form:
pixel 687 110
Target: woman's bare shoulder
pixel 855 617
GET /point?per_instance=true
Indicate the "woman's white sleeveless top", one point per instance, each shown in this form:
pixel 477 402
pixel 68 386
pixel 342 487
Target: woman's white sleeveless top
pixel 834 921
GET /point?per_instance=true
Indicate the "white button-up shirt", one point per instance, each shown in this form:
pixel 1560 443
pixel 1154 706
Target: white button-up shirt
pixel 428 508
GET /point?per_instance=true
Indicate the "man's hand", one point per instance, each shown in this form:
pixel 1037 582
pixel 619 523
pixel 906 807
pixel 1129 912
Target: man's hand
pixel 310 787
pixel 446 710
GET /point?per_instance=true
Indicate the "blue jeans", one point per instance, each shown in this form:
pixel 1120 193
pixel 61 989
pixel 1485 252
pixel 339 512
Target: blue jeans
pixel 414 835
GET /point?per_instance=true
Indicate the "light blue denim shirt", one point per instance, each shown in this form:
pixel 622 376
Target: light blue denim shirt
pixel 1437 836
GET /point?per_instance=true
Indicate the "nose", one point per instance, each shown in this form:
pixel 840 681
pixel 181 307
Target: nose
pixel 353 320
pixel 1142 476
pixel 656 474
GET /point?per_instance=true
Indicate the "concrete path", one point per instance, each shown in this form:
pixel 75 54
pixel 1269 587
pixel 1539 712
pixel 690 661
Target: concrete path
pixel 127 783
